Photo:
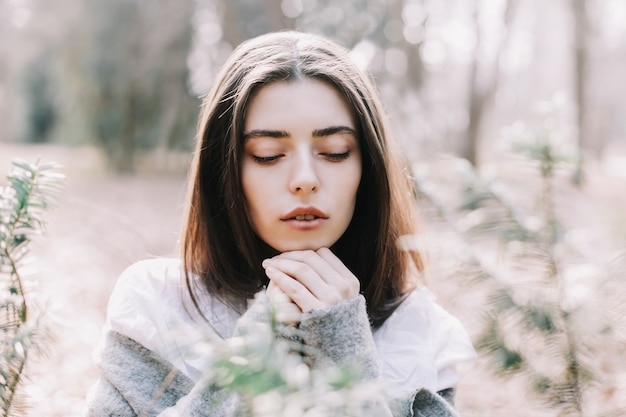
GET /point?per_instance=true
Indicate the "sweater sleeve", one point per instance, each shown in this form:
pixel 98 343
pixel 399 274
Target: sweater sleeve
pixel 342 334
pixel 135 381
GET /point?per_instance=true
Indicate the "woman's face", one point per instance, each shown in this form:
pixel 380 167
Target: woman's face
pixel 301 166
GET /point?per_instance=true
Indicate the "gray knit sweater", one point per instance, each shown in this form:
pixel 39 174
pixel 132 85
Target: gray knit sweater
pixel 136 382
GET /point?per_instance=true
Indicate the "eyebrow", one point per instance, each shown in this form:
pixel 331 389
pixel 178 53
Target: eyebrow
pixel 333 130
pixel 281 134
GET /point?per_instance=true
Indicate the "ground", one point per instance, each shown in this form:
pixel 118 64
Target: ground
pixel 103 223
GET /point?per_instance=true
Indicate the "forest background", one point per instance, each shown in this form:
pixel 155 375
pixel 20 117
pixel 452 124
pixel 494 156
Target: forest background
pixel 110 89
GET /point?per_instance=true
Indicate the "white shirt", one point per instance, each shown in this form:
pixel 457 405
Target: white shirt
pixel 419 345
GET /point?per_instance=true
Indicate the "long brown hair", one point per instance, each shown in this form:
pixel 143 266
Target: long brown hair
pixel 218 243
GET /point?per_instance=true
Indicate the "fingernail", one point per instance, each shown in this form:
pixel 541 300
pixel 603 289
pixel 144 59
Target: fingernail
pixel 265 263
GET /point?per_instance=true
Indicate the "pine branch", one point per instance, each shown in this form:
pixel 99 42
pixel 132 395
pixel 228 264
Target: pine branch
pixel 270 368
pixel 31 189
pixel 532 322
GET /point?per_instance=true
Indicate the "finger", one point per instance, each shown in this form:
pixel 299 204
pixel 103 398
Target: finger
pixel 330 268
pixel 334 281
pixel 349 285
pixel 275 294
pixel 305 271
pixel 334 262
pixel 286 311
pixel 295 290
pixel 316 263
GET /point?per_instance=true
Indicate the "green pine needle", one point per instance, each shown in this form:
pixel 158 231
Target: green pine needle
pixel 30 191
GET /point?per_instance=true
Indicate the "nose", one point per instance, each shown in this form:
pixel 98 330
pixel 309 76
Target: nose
pixel 304 178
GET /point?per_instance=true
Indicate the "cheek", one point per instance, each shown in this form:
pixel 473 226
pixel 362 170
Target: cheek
pixel 349 188
pixel 355 181
pixel 249 188
pixel 259 197
pixel 249 182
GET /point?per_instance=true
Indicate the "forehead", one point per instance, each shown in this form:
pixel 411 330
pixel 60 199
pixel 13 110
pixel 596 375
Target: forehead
pixel 307 101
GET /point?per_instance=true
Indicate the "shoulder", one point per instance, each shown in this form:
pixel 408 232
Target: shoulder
pixel 153 272
pixel 142 292
pixel 423 345
pixel 151 305
pixel 419 316
pixel 143 281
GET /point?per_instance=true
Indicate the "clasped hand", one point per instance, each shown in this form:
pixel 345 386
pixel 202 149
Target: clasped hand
pixel 310 280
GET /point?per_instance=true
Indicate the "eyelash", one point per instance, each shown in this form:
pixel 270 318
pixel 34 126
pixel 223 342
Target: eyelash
pixel 266 159
pixel 337 156
pixel 333 157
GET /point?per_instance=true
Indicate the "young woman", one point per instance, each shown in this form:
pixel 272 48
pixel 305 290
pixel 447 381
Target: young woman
pixel 294 188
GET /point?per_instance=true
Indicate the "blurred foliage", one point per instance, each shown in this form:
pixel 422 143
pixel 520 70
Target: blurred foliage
pixel 266 365
pixel 132 76
pixel 126 74
pixel 23 202
pixel 42 114
pixel 546 309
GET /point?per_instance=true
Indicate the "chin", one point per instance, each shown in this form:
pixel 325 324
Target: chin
pixel 298 246
pixel 292 248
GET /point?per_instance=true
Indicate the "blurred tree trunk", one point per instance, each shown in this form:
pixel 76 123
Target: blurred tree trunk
pixel 483 84
pixel 415 65
pixel 478 96
pixel 6 133
pixel 134 90
pixel 245 19
pixel 581 36
pixel 4 109
pixel 477 103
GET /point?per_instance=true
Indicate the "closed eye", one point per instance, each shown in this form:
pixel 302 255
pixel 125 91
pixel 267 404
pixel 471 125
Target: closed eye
pixel 337 156
pixel 266 159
